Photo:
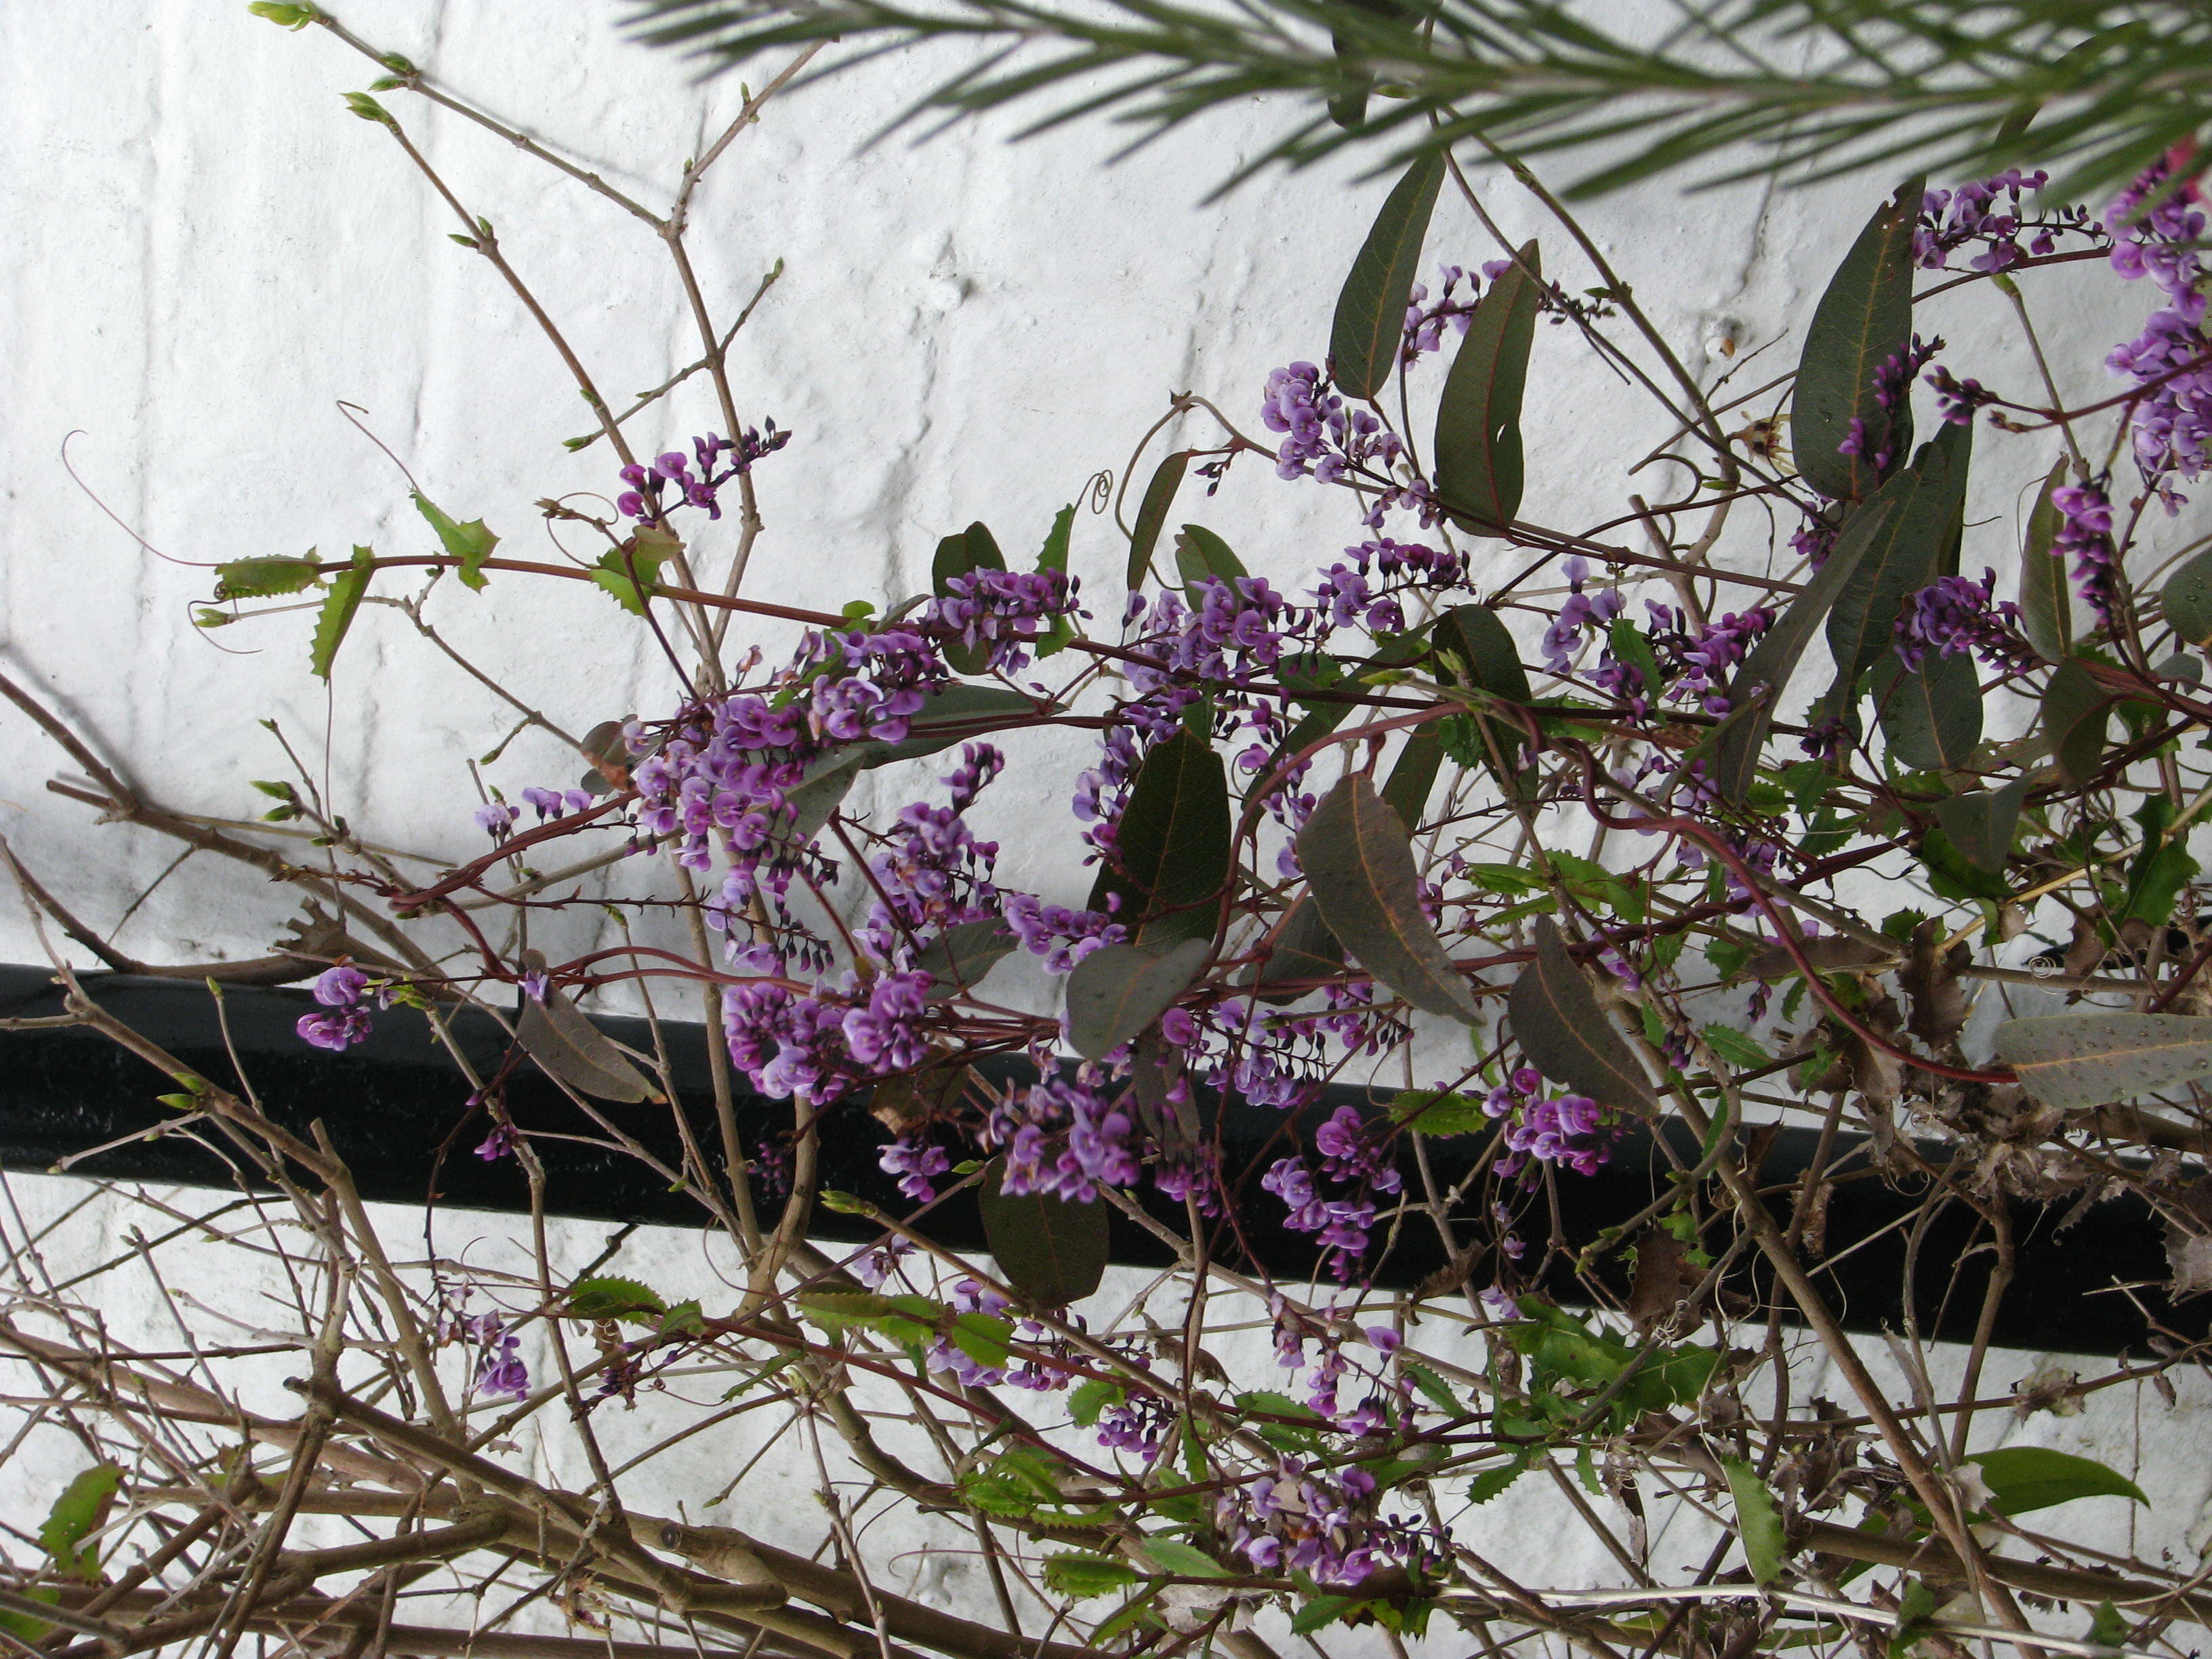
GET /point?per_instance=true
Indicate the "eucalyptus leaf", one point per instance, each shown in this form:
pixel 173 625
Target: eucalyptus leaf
pixel 2074 1061
pixel 1919 537
pixel 1932 715
pixel 1415 775
pixel 2076 715
pixel 950 714
pixel 1116 992
pixel 2046 594
pixel 2188 600
pixel 1051 1250
pixel 958 958
pixel 1980 824
pixel 1482 654
pixel 1565 1033
pixel 1370 312
pixel 1303 949
pixel 1153 514
pixel 1172 854
pixel 974 549
pixel 1201 553
pixel 1864 317
pixel 570 1048
pixel 1358 863
pixel 1479 465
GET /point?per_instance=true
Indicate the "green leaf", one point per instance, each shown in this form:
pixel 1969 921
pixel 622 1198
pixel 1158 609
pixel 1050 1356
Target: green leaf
pixel 609 1297
pixel 471 543
pixel 2160 869
pixel 1434 1388
pixel 1476 455
pixel 1758 1520
pixel 1083 1576
pixel 2109 1627
pixel 1735 1048
pixel 984 1338
pixel 1053 1251
pixel 1172 855
pixel 1118 991
pixel 631 572
pixel 1435 1114
pixel 283 14
pixel 368 108
pixel 1630 646
pixel 1932 715
pixel 2076 715
pixel 1926 507
pixel 2025 1478
pixel 1732 752
pixel 973 548
pixel 1168 1555
pixel 570 1048
pixel 1153 514
pixel 1201 553
pixel 1370 312
pixel 1980 824
pixel 686 1318
pixel 1303 949
pixel 1482 653
pixel 340 602
pixel 1864 317
pixel 77 1515
pixel 819 792
pixel 2046 594
pixel 1415 775
pixel 2074 1061
pixel 1358 864
pixel 1053 556
pixel 1089 1399
pixel 2188 598
pixel 264 578
pixel 1492 1483
pixel 1565 1035
pixel 958 958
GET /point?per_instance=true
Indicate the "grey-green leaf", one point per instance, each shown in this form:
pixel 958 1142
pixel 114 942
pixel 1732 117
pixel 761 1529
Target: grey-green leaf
pixel 2076 712
pixel 1415 775
pixel 1560 1027
pixel 1981 824
pixel 2046 596
pixel 573 1049
pixel 1932 715
pixel 1358 863
pixel 1370 312
pixel 1483 656
pixel 1201 553
pixel 1731 753
pixel 958 958
pixel 2021 1478
pixel 1152 513
pixel 1479 465
pixel 1304 948
pixel 2074 1061
pixel 950 714
pixel 1051 1250
pixel 1172 854
pixel 1863 318
pixel 1117 991
pixel 2188 597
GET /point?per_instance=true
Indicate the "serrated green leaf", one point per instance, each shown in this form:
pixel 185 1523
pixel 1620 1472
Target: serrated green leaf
pixel 1433 1387
pixel 1864 317
pixel 1084 1576
pixel 1435 1114
pixel 264 578
pixel 1320 1612
pixel 471 543
pixel 1369 325
pixel 984 1338
pixel 631 572
pixel 76 1516
pixel 606 1297
pixel 1172 1556
pixel 1358 864
pixel 1479 466
pixel 1492 1483
pixel 340 603
pixel 1736 1047
pixel 1089 1399
pixel 1758 1520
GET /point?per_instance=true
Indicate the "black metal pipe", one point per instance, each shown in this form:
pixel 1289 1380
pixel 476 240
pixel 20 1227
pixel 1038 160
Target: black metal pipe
pixel 397 1110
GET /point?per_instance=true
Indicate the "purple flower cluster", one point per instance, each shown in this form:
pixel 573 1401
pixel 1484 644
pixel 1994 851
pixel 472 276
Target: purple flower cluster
pixel 672 472
pixel 916 1163
pixel 2085 535
pixel 1322 437
pixel 1342 1224
pixel 1704 656
pixel 1005 610
pixel 555 803
pixel 1426 319
pixel 2155 229
pixel 1957 613
pixel 1579 613
pixel 344 1019
pixel 814 1048
pixel 1563 1129
pixel 500 1373
pixel 1892 386
pixel 1301 1516
pixel 1063 1138
pixel 1988 211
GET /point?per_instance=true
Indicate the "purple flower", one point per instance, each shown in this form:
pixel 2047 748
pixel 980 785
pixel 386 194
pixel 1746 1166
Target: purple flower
pixel 2085 531
pixel 500 1372
pixel 496 819
pixel 498 1143
pixel 341 987
pixel 1955 614
pixel 914 1161
pixel 673 472
pixel 338 1028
